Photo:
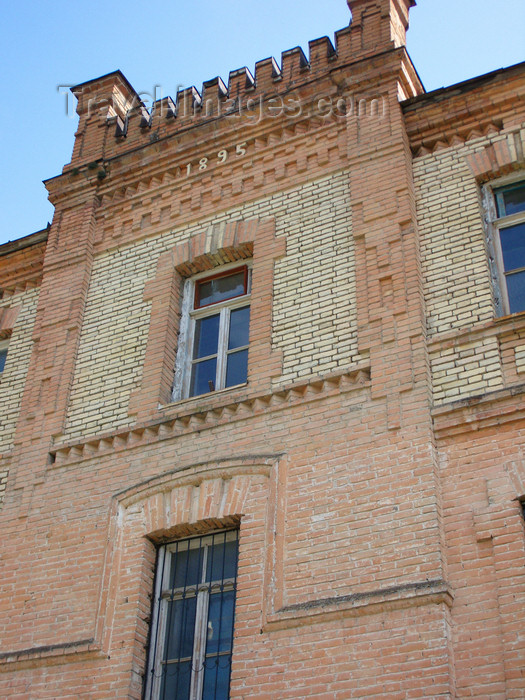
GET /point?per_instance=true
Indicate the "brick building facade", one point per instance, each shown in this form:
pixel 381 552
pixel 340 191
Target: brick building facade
pixel 364 446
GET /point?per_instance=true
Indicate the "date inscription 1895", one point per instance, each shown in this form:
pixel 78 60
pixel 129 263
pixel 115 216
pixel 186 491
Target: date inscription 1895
pixel 219 158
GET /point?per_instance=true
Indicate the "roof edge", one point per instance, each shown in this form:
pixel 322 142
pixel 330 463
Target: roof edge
pixel 463 86
pixel 24 242
pixel 115 73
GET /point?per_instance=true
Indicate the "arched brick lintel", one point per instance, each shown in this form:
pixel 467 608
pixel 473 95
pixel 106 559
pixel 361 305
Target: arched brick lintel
pixel 196 499
pixel 216 245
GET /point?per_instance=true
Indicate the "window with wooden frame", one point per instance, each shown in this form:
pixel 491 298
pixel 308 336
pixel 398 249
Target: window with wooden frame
pixel 508 227
pixel 4 344
pixel 214 336
pixel 193 614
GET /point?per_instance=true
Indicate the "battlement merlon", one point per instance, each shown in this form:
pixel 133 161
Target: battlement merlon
pixel 111 93
pixel 110 96
pixel 383 23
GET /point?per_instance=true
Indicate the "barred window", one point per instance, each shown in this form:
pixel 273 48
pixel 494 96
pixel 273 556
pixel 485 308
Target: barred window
pixel 192 623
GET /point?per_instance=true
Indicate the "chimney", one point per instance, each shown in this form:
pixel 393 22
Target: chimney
pixel 382 23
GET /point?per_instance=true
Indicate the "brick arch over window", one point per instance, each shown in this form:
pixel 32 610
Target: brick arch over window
pixel 217 245
pixel 196 499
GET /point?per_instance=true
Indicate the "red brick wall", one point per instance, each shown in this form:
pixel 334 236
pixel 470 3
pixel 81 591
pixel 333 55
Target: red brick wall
pixel 381 539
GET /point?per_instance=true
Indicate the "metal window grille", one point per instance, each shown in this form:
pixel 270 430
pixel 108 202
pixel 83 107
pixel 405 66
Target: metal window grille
pixel 193 616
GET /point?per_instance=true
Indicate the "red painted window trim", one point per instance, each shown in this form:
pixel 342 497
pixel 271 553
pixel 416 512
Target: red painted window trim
pixel 227 273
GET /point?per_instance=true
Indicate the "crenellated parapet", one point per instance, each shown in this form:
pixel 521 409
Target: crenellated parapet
pixel 114 119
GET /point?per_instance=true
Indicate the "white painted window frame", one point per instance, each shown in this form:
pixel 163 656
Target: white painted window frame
pixel 189 315
pixel 494 225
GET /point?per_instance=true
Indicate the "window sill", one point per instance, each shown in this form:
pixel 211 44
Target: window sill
pixel 202 397
pixel 519 315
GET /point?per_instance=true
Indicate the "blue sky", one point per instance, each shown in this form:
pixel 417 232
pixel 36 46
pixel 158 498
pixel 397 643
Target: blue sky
pixel 64 42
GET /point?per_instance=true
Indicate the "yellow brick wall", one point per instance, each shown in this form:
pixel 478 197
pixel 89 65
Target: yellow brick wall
pixel 519 354
pixel 457 282
pixel 454 259
pixel 313 313
pixel 467 369
pixel 13 377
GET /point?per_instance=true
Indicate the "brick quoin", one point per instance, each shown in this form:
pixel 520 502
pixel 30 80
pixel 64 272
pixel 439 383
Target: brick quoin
pixel 372 461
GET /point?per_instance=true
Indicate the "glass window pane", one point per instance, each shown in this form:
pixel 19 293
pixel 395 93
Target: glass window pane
pixel 239 327
pixel 3 355
pixel 206 336
pixel 237 368
pixel 176 681
pixel 513 246
pixel 514 199
pixel 217 678
pixel 220 288
pixel 209 638
pixel 222 560
pixel 202 374
pixel 220 622
pixel 186 565
pixel 516 292
pixel 180 624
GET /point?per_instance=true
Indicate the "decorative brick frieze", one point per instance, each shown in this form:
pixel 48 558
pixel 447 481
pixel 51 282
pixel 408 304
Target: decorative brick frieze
pixel 178 196
pixel 223 408
pixel 458 138
pixel 465 112
pixel 21 264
